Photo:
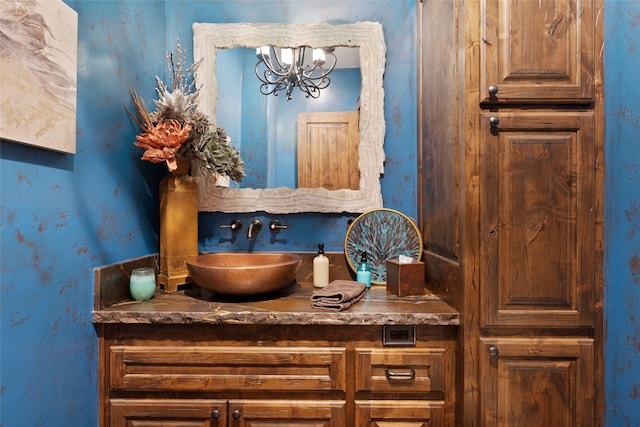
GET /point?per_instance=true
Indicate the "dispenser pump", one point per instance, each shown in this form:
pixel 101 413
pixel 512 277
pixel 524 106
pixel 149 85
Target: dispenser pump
pixel 320 268
pixel 363 273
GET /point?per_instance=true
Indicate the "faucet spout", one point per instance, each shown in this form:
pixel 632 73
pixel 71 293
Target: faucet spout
pixel 254 228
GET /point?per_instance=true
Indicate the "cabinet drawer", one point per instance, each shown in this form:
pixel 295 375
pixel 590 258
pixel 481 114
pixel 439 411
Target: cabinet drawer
pixel 399 413
pixel 400 370
pixel 198 368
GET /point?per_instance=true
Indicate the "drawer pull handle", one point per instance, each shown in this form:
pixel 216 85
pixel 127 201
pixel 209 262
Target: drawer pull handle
pixel 394 375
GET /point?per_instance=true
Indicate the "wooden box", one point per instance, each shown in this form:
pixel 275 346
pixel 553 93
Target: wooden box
pixel 405 279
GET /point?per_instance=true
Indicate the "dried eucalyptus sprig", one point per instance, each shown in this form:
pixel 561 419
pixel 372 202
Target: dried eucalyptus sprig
pixel 182 79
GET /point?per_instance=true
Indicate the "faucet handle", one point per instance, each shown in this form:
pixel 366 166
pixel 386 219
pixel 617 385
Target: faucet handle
pixel 275 226
pixel 236 225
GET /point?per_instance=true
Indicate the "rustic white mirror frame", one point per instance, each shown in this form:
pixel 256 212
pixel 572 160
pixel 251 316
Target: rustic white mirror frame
pixel 369 38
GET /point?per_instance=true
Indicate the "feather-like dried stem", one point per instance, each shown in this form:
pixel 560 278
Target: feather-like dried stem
pixel 141 117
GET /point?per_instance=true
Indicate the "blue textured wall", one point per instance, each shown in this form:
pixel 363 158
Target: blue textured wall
pixel 64 214
pixel 61 215
pixel 622 213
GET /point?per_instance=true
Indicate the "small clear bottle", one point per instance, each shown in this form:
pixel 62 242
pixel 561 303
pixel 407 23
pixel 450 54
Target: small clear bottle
pixel 363 273
pixel 320 268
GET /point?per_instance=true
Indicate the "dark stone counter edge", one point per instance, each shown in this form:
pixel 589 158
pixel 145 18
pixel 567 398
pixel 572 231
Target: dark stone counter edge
pixel 276 318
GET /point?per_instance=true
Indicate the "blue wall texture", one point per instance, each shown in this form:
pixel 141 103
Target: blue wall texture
pixel 62 215
pixel 622 213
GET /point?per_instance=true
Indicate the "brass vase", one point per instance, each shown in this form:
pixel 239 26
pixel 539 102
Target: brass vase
pixel 178 226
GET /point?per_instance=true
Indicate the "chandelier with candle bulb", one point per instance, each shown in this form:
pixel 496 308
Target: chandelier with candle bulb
pixel 286 68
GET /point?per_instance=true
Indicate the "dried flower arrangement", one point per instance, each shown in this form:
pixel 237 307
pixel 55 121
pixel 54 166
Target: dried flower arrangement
pixel 178 131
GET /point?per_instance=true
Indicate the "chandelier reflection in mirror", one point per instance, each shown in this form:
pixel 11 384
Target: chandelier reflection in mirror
pixel 285 69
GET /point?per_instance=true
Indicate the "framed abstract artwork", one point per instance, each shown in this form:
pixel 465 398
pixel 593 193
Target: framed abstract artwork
pixel 38 73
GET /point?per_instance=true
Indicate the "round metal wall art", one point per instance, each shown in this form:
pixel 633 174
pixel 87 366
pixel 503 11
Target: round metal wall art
pixel 383 234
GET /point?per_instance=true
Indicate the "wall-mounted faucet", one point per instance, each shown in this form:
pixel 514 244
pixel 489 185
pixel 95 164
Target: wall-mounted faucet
pixel 254 228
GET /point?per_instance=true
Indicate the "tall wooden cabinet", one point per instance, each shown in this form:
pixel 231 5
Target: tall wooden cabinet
pixel 511 189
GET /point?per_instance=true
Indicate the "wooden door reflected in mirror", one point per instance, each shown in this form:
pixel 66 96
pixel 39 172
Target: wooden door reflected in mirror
pixel 328 150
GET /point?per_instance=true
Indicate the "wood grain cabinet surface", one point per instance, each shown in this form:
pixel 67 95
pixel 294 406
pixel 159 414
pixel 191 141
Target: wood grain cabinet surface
pixel 275 375
pixel 218 413
pixel 511 120
pixel 537 229
pixel 400 413
pixel 401 370
pixel 549 380
pixel 206 368
pixel 537 51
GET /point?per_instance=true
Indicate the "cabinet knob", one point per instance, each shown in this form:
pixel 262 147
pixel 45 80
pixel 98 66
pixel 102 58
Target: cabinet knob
pixel 493 90
pixel 235 414
pixel 215 414
pixel 494 121
pixel 493 351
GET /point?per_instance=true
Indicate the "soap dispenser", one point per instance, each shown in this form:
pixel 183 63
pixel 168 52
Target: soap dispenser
pixel 320 268
pixel 363 273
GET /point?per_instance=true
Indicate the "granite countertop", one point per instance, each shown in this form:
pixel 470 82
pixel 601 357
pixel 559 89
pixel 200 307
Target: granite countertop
pixel 290 306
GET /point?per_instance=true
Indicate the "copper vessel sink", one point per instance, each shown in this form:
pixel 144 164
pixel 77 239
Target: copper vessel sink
pixel 233 273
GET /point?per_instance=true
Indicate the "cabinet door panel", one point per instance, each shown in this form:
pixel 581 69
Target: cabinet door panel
pixel 537 382
pixel 537 51
pixel 168 412
pixel 399 413
pixel 538 228
pixel 286 413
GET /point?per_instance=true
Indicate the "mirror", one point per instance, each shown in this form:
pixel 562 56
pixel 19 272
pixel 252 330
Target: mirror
pixel 265 128
pixel 369 39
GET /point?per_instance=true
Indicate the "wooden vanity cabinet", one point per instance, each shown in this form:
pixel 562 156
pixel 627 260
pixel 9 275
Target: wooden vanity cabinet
pixel 267 375
pixel 511 190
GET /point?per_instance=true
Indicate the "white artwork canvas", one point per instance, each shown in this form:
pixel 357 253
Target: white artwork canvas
pixel 38 73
